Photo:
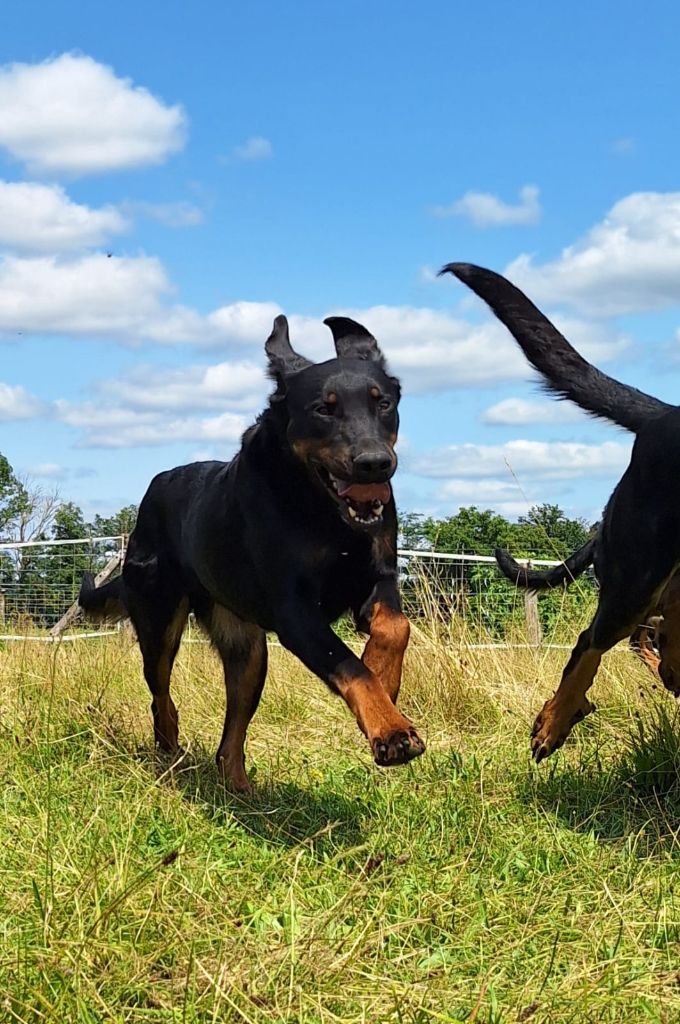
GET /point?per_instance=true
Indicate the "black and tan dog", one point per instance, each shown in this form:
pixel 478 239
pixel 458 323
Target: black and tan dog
pixel 637 548
pixel 299 528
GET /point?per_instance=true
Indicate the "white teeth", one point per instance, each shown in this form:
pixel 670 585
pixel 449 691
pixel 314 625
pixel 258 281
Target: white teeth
pixel 377 509
pixel 353 513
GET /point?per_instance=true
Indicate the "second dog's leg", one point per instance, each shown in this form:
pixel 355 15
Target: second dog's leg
pixel 616 615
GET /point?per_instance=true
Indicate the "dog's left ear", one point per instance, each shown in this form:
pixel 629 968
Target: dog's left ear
pixel 353 341
pixel 283 359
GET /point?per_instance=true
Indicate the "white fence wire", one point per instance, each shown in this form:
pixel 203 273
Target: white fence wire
pixel 39 581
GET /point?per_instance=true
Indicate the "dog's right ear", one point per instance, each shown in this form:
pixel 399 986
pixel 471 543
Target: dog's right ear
pixel 283 360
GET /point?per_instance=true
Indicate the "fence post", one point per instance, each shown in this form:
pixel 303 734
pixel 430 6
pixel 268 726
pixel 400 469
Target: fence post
pixel 533 623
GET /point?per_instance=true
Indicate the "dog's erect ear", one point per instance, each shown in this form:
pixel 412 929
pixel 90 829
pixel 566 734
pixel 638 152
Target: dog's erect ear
pixel 283 360
pixel 353 341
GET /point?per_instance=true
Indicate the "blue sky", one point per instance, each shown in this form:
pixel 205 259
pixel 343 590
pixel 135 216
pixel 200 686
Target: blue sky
pixel 172 176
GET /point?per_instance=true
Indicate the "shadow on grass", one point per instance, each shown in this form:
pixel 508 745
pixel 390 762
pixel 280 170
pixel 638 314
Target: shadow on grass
pixel 282 813
pixel 635 795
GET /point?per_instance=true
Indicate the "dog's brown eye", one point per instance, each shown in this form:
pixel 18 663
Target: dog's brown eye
pixel 324 409
pixel 385 404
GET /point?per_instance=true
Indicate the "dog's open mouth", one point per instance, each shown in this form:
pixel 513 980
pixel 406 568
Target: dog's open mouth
pixel 363 503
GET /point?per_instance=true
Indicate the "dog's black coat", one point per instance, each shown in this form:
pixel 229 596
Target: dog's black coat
pixel 273 541
pixel 637 548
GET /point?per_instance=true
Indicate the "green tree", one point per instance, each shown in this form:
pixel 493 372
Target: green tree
pixel 471 531
pixel 13 499
pixel 122 521
pixel 69 522
pixel 546 532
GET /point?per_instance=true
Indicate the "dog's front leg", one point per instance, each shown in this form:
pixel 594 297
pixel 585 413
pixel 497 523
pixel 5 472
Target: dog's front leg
pixel 304 631
pixel 388 628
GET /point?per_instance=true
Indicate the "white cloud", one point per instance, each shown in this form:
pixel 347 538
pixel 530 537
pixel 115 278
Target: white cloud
pixel 89 295
pixel 179 214
pixel 42 218
pixel 521 412
pixel 55 471
pixel 238 386
pixel 71 115
pixel 48 471
pixel 18 404
pixel 486 210
pixel 505 498
pixel 436 351
pixel 545 460
pixel 628 263
pixel 120 427
pixel 254 148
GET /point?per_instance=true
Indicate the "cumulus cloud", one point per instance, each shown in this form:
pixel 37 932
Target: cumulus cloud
pixel 499 495
pixel 517 412
pixel 238 386
pixel 485 210
pixel 71 115
pixel 42 218
pixel 437 351
pixel 254 148
pixel 628 263
pixel 88 295
pixel 544 460
pixel 18 404
pixel 120 427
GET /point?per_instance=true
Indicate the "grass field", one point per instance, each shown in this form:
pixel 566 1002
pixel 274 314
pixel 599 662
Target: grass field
pixel 468 886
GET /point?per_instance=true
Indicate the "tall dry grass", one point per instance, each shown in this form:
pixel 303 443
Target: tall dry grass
pixel 467 886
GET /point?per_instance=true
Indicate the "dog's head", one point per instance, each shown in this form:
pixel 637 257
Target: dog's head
pixel 342 417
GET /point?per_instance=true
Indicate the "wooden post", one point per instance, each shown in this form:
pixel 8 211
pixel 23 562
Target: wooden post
pixel 71 614
pixel 533 622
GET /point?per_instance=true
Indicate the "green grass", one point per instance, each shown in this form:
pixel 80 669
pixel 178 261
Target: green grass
pixel 468 886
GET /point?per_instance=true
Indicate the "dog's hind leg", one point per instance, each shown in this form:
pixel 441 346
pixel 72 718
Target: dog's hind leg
pixel 159 624
pixel 243 649
pixel 623 603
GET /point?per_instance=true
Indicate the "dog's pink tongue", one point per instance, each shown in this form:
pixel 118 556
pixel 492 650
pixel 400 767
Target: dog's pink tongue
pixel 365 492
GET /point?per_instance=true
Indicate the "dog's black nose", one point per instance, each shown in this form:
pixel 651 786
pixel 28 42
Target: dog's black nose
pixel 371 466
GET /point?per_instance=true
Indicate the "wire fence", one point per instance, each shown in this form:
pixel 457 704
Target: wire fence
pixel 39 582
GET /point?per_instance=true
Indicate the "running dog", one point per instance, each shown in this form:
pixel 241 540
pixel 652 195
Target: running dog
pixel 298 529
pixel 637 548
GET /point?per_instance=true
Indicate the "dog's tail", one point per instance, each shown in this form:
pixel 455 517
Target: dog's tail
pixel 560 575
pixel 105 603
pixel 563 370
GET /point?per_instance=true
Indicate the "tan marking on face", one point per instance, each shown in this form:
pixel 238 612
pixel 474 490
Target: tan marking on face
pixel 307 450
pixel 374 392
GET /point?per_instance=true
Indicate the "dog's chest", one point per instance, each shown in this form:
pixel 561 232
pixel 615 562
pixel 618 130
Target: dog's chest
pixel 343 579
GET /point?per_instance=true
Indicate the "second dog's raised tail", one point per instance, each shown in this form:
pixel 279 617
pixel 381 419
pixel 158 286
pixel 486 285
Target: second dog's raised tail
pixel 564 371
pixel 558 576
